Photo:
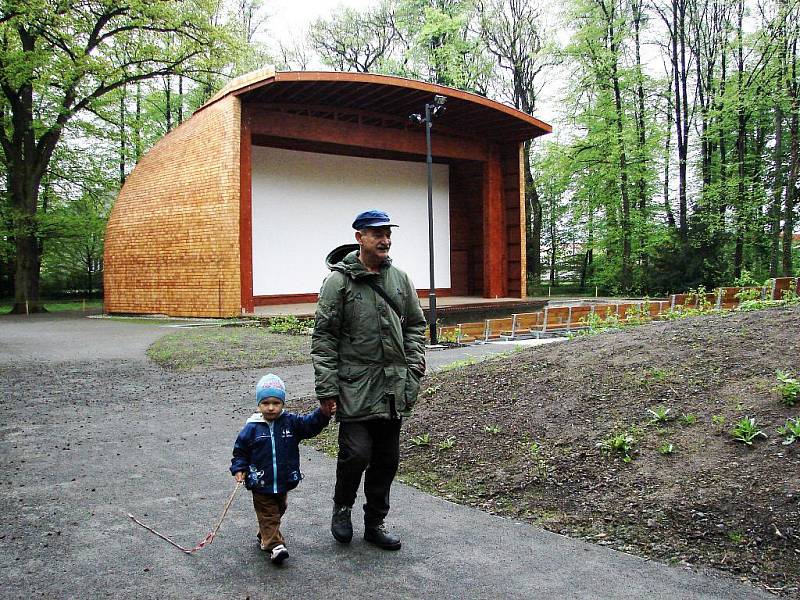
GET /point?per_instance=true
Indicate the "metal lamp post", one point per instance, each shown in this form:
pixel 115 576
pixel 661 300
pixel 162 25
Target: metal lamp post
pixel 432 110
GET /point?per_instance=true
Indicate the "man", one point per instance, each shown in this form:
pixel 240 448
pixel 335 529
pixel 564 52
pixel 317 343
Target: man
pixel 368 350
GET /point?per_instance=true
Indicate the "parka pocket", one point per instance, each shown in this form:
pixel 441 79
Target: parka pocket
pixel 355 390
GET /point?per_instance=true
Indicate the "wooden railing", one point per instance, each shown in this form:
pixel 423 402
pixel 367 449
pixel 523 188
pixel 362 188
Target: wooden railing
pixel 564 319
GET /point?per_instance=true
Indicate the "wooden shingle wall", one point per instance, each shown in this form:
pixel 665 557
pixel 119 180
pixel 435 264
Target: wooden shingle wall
pixel 172 241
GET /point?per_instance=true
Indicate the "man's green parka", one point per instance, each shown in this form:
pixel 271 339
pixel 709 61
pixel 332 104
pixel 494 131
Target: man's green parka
pixel 364 354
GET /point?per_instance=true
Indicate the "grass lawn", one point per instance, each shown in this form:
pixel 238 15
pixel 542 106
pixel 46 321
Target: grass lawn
pixel 59 305
pixel 229 348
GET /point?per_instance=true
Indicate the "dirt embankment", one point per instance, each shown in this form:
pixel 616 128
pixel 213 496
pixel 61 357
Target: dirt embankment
pixel 519 436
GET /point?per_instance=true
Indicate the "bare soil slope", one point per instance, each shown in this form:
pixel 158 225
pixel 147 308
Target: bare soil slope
pixel 518 436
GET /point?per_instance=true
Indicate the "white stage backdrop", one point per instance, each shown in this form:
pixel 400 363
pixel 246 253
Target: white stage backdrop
pixel 304 204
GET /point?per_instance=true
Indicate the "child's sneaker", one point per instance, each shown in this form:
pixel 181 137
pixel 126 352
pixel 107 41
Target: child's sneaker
pixel 279 554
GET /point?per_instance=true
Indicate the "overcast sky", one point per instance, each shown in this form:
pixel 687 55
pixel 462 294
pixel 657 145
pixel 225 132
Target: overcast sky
pixel 288 21
pixel 290 18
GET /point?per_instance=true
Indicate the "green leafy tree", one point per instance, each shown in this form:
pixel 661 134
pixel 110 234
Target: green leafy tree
pixel 58 59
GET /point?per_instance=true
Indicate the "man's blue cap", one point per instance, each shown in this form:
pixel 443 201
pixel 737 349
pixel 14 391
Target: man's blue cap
pixel 372 218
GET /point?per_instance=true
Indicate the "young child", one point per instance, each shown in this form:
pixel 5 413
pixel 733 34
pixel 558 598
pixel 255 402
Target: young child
pixel 267 458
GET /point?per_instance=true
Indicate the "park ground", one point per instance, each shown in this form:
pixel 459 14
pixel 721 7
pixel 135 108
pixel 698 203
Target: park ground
pixel 501 462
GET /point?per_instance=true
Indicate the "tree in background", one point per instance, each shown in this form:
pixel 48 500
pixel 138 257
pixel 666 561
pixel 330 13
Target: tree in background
pixel 512 31
pixel 57 60
pixel 357 41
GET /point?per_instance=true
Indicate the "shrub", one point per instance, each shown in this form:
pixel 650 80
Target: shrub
pixel 621 444
pixel 788 388
pixel 421 440
pixel 290 324
pixel 790 431
pixel 666 449
pixel 660 415
pixel 746 430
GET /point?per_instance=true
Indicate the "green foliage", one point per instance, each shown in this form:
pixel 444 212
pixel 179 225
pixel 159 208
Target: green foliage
pixel 447 443
pixel 737 537
pixel 423 439
pixel 620 444
pixel 290 324
pixel 60 61
pixel 746 431
pixel 788 388
pixel 432 390
pixel 688 419
pixel 666 449
pixel 492 429
pixel 458 364
pixel 719 422
pixel 659 415
pixel 750 305
pixel 228 348
pixel 790 431
pixel 449 336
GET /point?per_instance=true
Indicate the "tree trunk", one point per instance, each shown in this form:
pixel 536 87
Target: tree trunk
pixel 794 150
pixel 791 190
pixel 777 195
pixel 741 133
pixel 533 222
pixel 667 154
pixel 122 136
pixel 623 176
pixel 25 167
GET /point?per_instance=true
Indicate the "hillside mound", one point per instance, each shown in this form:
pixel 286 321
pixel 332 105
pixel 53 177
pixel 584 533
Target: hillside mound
pixel 522 436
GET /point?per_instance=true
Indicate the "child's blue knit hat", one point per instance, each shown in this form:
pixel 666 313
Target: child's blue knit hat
pixel 270 386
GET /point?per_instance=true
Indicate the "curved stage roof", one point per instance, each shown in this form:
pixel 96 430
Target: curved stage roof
pixel 468 114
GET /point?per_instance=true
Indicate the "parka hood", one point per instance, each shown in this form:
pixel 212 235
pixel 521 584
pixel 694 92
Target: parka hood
pixel 345 260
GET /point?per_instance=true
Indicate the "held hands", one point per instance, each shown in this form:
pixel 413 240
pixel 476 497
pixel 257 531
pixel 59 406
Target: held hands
pixel 240 476
pixel 327 406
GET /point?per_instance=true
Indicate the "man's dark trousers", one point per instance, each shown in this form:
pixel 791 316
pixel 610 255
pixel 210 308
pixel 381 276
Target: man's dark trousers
pixel 373 446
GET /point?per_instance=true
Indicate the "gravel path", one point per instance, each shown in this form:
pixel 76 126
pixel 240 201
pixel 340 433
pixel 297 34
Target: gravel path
pixel 90 430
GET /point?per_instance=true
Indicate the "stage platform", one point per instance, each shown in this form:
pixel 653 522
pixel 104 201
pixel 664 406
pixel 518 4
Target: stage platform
pixel 450 310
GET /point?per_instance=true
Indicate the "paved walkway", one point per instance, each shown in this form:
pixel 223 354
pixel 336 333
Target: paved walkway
pixel 89 430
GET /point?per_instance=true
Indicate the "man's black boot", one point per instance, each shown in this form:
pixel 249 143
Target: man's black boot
pixel 382 537
pixel 341 525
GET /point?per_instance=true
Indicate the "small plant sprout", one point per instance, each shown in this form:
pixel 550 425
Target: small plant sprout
pixel 666 449
pixel 659 414
pixel 493 429
pixel 736 537
pixel 788 388
pixel 790 431
pixel 746 430
pixel 689 419
pixel 431 390
pixel 621 444
pixel 421 440
pixel 719 422
pixel 447 443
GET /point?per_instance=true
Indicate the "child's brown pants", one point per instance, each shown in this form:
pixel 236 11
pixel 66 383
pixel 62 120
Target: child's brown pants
pixel 269 510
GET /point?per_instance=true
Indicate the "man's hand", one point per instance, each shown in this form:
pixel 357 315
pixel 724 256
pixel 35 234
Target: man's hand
pixel 240 476
pixel 327 406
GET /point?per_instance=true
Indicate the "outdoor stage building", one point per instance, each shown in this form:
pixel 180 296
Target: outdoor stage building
pixel 239 205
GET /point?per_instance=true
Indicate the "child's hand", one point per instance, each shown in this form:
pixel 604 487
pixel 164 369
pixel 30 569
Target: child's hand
pixel 239 476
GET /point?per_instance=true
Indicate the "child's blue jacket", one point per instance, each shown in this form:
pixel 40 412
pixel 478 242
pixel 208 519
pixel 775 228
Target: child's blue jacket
pixel 269 452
